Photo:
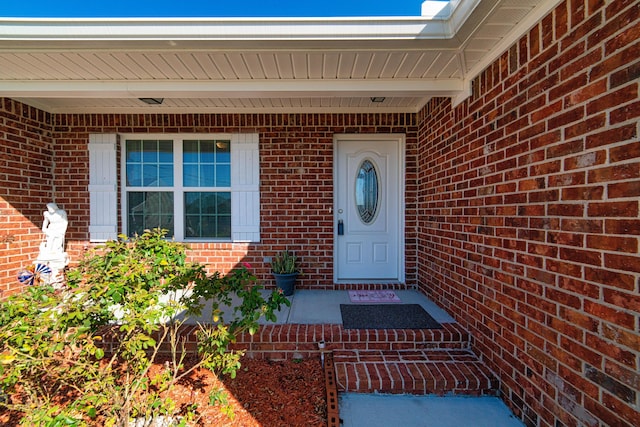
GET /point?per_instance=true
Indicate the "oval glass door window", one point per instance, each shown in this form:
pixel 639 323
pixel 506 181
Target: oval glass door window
pixel 367 191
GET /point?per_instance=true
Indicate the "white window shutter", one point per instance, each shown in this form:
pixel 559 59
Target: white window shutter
pixel 103 180
pixel 245 188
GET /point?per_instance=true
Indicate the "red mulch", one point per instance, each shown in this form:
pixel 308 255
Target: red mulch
pixel 263 394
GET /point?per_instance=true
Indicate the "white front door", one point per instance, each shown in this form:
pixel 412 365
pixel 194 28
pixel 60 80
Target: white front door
pixel 369 207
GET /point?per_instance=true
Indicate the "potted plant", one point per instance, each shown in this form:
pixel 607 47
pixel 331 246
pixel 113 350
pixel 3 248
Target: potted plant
pixel 284 267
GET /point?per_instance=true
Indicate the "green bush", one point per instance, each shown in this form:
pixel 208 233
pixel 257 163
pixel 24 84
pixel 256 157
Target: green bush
pixel 51 349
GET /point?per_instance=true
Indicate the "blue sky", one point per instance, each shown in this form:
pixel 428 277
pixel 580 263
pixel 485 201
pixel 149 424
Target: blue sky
pixel 207 8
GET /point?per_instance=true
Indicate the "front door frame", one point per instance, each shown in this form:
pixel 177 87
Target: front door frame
pixel 400 144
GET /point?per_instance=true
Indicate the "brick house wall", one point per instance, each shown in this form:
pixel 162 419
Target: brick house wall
pixel 522 206
pixel 529 220
pixel 26 177
pixel 296 184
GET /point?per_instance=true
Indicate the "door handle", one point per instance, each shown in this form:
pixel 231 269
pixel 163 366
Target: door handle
pixel 340 227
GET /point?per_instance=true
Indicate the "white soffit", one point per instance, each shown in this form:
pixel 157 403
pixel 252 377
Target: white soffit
pixel 259 65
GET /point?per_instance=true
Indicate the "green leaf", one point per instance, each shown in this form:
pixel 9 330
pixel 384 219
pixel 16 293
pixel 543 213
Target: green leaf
pixel 91 412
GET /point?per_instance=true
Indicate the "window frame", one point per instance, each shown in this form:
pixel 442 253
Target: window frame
pixel 178 189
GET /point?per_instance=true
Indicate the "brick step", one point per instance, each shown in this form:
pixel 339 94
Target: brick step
pixel 287 341
pixel 291 341
pixel 416 361
pixel 423 372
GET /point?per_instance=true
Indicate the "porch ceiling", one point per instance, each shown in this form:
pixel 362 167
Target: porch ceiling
pixel 257 65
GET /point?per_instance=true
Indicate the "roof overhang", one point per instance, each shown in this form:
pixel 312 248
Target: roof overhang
pixel 259 64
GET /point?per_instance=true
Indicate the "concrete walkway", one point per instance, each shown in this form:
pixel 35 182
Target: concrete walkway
pixel 383 410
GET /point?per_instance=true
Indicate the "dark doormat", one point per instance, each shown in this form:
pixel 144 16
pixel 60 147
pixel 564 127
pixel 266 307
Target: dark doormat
pixel 386 316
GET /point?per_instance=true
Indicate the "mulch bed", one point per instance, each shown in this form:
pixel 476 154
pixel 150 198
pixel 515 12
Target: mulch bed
pixel 263 394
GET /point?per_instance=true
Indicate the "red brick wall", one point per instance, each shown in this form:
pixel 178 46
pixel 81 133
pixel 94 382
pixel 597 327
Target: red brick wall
pixel 296 185
pixel 26 181
pixel 529 219
pixel 526 198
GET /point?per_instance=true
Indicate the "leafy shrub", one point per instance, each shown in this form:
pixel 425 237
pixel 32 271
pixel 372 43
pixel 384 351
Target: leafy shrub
pixel 52 360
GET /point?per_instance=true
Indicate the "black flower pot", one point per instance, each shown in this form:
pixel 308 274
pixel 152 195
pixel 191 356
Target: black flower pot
pixel 286 282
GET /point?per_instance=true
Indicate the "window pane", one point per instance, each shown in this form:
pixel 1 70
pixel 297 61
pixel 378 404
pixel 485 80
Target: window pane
pixel 223 203
pixel 148 210
pixel 192 226
pixel 150 176
pixel 134 175
pixel 134 151
pixel 166 205
pixel 367 191
pixel 207 151
pixel 190 175
pixel 209 226
pixel 223 152
pixel 149 163
pixel 223 176
pixel 135 199
pixel 206 176
pixel 224 226
pixel 150 151
pixel 190 152
pixel 207 214
pixel 165 175
pixel 165 151
pixel 206 163
pixel 192 203
pixel 209 204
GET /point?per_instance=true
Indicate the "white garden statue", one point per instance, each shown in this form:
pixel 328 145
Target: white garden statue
pixel 54 227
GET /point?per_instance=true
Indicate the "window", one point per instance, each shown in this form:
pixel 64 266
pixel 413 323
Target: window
pixel 182 185
pixel 199 187
pixel 207 164
pixel 150 167
pixel 367 191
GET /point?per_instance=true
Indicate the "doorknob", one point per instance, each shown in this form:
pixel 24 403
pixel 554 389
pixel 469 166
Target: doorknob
pixel 340 227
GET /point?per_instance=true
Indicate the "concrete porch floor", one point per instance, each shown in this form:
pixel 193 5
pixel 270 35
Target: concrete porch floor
pixel 371 410
pixel 318 307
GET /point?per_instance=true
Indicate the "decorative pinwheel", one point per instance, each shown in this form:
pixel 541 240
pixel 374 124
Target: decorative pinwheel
pixel 33 272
